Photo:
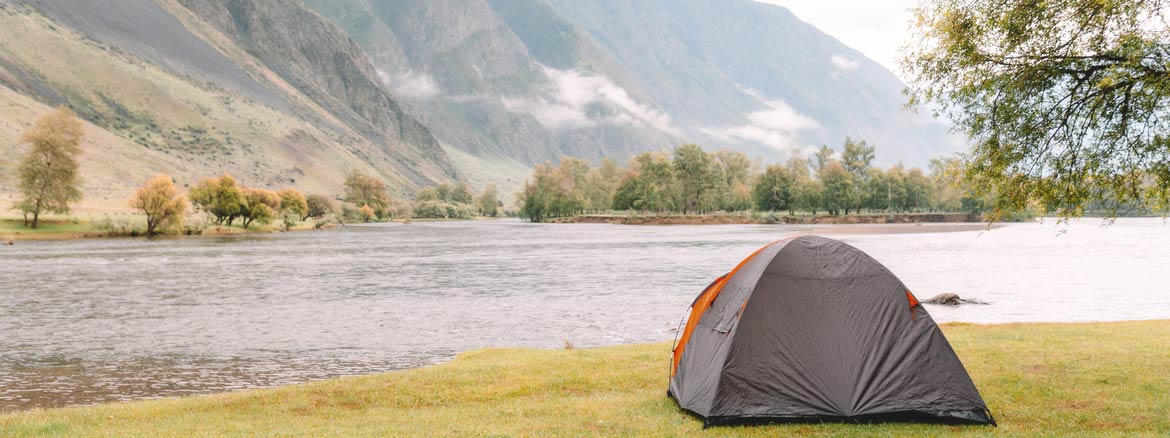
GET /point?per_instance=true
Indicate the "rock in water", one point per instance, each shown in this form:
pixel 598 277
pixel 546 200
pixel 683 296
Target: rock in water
pixel 947 299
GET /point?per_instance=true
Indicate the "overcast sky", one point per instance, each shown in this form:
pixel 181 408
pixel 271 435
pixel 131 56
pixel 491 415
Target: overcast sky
pixel 877 28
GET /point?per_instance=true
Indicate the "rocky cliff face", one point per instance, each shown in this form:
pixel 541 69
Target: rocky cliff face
pixel 321 62
pixel 269 91
pixel 465 71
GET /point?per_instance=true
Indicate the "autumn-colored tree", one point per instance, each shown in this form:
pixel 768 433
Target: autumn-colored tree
pixel 48 174
pixel 363 189
pixel 221 197
pixel 366 213
pixel 162 204
pixel 318 206
pixel 293 203
pixel 259 206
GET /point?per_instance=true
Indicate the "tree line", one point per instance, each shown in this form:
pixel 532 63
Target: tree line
pixel 693 181
pixel 49 183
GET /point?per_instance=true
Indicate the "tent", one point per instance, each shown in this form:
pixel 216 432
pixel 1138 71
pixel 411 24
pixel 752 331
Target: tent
pixel 811 329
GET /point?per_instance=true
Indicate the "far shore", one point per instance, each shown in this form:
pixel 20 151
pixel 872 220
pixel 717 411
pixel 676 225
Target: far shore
pixel 770 218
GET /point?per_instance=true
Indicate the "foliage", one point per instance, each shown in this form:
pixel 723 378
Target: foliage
pixel 694 181
pixel 488 202
pixel 1067 101
pixel 221 197
pixel 48 173
pixel 293 203
pixel 258 206
pixel 365 190
pixel 837 185
pixel 773 191
pixel 319 206
pixel 163 205
pixel 443 210
pixel 366 213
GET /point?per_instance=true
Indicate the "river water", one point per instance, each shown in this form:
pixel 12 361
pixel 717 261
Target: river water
pixel 90 321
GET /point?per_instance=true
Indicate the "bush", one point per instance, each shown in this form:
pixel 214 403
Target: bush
pixel 444 210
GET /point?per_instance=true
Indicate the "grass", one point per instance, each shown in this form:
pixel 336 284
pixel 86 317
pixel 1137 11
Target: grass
pixel 121 225
pixel 1093 379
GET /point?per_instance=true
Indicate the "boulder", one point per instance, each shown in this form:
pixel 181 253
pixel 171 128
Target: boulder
pixel 947 299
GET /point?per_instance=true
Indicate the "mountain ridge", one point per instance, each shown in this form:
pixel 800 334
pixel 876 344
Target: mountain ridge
pixel 425 91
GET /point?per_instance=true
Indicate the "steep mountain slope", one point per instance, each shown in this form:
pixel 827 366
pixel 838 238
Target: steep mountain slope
pixel 463 70
pixel 748 72
pixel 284 92
pixel 266 90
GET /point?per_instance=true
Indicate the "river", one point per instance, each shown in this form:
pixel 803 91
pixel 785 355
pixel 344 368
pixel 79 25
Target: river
pixel 90 321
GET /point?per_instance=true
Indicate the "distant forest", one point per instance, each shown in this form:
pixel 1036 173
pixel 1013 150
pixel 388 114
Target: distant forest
pixel 693 181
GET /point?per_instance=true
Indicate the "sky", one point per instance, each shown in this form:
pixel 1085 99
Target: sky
pixel 877 28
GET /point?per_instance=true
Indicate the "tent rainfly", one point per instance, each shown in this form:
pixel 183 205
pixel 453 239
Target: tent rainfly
pixel 810 329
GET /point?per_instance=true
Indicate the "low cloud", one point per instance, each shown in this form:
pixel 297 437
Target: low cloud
pixel 777 126
pixel 410 85
pixel 573 99
pixel 842 62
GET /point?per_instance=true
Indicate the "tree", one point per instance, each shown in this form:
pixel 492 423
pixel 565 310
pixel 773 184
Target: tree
pixel 535 197
pixel 822 157
pixel 489 201
pixel 773 191
pixel 163 205
pixel 48 174
pixel 293 203
pixel 426 194
pixel 461 194
pixel 692 167
pixel 732 173
pixel 366 190
pixel 293 207
pixel 600 185
pixel 259 206
pixel 805 192
pixel 836 184
pixel 856 158
pixel 1067 101
pixel 366 213
pixel 318 206
pixel 221 197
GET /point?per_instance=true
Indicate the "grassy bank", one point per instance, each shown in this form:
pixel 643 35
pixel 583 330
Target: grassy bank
pixel 121 225
pixel 1098 379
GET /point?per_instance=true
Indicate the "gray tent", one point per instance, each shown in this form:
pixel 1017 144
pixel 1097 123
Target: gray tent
pixel 812 329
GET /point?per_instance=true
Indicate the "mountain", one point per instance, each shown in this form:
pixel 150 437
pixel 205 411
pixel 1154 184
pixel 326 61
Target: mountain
pixel 291 93
pixel 739 71
pixel 267 90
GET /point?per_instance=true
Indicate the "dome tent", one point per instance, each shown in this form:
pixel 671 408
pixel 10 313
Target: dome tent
pixel 812 329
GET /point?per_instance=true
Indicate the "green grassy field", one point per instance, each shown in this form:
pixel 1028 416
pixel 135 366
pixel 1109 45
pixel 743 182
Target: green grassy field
pixel 1098 379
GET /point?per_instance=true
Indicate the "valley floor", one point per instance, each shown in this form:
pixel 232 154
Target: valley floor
pixel 1072 379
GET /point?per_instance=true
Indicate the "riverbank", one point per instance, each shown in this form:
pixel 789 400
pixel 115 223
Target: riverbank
pixel 770 218
pixel 13 230
pixel 1076 379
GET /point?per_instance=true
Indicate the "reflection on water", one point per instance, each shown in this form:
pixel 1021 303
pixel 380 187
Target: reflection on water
pixel 98 320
